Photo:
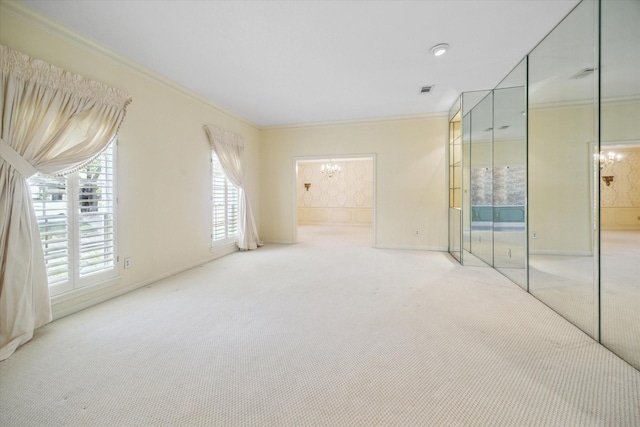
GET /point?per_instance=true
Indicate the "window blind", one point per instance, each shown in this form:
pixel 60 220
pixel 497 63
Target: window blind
pixel 225 204
pixel 51 205
pixel 96 202
pixel 76 218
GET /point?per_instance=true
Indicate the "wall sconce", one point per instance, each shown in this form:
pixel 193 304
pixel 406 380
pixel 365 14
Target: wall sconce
pixel 307 185
pixel 607 179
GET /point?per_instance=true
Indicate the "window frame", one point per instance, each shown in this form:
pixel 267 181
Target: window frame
pixel 230 236
pixel 76 280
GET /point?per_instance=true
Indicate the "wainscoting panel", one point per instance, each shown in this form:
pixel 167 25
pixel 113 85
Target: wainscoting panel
pixel 335 216
pixel 620 218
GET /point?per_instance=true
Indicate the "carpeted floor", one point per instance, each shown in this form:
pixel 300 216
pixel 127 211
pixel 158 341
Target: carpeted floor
pixel 325 332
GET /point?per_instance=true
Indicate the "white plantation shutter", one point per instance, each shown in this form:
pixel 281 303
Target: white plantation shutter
pixel 76 217
pixel 225 205
pixel 96 209
pixel 49 195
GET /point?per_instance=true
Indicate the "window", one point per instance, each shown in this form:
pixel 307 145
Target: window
pixel 225 205
pixel 76 217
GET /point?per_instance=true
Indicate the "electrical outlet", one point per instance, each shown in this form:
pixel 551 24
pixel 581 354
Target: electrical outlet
pixel 509 252
pixel 127 263
pixel 417 232
pixel 535 235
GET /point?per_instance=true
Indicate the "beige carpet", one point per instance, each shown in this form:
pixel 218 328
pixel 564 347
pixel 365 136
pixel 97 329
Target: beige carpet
pixel 325 332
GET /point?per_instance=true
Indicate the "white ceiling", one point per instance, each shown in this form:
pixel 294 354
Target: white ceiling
pixel 287 62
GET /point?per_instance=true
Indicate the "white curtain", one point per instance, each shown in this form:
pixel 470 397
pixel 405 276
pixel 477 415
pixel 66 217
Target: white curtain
pixel 229 148
pixel 54 122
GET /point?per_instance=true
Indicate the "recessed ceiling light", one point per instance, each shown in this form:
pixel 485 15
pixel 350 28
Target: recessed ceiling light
pixel 439 49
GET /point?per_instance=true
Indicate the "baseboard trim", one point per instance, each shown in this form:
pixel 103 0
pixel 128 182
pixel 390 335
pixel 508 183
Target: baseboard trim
pixel 560 253
pixel 413 248
pixel 59 313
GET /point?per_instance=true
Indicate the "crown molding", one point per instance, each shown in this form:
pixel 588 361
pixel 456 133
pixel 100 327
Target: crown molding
pixel 426 116
pixel 56 29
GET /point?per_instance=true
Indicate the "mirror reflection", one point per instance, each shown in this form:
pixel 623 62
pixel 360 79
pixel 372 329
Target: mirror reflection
pixel 509 176
pixel 466 194
pixel 562 111
pixel 455 180
pixel 551 173
pixel 481 175
pixel 619 163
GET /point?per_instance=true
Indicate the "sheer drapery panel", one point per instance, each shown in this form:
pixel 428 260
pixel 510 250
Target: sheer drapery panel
pixel 54 122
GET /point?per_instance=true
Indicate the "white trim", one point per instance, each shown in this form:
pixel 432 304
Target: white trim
pixel 413 248
pixel 56 29
pixel 583 103
pixel 21 11
pixel 559 253
pixel 344 157
pixel 621 143
pixel 79 292
pixel 226 249
pixel 59 313
pixel 423 116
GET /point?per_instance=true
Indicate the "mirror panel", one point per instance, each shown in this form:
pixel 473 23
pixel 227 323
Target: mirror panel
pixel 620 197
pixel 482 180
pixel 466 195
pixel 562 198
pixel 455 180
pixel 509 175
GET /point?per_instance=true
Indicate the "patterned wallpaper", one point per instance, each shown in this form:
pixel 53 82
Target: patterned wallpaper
pixel 352 187
pixel 481 186
pixel 508 185
pixel 624 191
pixel 500 186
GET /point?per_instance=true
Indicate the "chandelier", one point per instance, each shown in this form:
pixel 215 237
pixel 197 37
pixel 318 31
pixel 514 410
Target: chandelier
pixel 608 159
pixel 330 169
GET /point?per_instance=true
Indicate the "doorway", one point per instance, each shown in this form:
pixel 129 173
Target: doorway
pixel 335 199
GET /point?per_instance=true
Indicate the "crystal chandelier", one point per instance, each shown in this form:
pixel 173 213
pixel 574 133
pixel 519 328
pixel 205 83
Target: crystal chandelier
pixel 330 169
pixel 609 158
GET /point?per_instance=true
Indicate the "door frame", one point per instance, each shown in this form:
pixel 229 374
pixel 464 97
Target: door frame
pixel 328 157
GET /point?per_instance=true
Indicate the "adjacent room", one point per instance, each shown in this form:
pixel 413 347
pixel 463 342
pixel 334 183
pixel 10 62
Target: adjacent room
pixel 335 192
pixel 330 213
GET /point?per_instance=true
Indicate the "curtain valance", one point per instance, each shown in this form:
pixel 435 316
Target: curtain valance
pixel 23 67
pixel 64 119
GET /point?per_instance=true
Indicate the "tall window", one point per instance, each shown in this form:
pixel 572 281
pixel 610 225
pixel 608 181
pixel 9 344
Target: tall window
pixel 76 217
pixel 225 205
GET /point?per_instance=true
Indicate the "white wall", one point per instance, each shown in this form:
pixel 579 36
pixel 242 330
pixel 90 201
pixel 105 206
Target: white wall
pixel 163 155
pixel 560 195
pixel 163 164
pixel 411 189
